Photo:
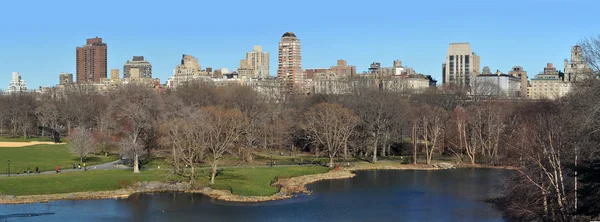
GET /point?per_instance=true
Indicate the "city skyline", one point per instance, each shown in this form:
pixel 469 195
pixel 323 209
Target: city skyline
pixel 503 40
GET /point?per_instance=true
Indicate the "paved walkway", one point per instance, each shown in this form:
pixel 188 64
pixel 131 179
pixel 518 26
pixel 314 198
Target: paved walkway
pixel 104 166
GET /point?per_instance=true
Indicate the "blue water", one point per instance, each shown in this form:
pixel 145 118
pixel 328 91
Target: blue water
pixel 381 195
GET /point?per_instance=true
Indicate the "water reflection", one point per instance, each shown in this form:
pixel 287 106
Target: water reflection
pixel 385 195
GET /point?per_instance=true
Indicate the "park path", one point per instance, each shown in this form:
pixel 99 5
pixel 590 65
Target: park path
pixel 104 166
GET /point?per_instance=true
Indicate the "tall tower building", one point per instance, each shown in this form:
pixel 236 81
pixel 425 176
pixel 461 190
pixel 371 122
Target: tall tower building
pixel 289 70
pixel 256 64
pixel 139 63
pixel 91 61
pixel 578 69
pixel 461 65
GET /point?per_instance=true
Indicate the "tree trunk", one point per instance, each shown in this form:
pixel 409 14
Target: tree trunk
pixel 214 173
pixel 81 159
pixel 330 162
pixel 346 150
pixel 192 176
pixel 136 164
pixel 414 142
pixel 375 149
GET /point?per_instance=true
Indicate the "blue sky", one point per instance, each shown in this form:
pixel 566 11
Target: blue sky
pixel 38 37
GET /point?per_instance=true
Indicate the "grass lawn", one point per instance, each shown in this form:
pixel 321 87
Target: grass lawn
pixel 257 181
pixel 46 157
pixel 93 180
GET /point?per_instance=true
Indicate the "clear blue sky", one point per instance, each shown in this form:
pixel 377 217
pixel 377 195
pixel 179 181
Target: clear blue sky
pixel 38 37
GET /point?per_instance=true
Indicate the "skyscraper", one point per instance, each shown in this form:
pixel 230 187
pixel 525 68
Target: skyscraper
pixel 289 70
pixel 91 61
pixel 138 62
pixel 461 65
pixel 256 64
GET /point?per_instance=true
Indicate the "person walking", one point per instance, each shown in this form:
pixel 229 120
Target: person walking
pixel 56 168
pixel 37 170
pixel 84 167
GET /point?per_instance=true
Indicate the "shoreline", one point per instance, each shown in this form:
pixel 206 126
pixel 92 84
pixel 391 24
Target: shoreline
pixel 289 187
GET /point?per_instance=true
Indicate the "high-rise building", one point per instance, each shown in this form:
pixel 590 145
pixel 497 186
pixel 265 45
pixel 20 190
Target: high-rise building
pixel 91 61
pixel 256 64
pixel 343 70
pixel 16 84
pixel 517 71
pixel 65 78
pixel 289 70
pixel 139 63
pixel 461 65
pixel 578 69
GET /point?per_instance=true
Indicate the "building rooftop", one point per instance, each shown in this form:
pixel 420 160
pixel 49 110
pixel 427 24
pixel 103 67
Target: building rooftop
pixel 289 34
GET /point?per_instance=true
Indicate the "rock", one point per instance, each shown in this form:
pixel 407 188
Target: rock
pixel 444 166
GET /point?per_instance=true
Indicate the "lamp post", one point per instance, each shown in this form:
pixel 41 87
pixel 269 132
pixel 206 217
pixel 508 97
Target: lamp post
pixel 8 168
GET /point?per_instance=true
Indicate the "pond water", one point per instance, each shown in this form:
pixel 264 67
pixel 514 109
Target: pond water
pixel 377 195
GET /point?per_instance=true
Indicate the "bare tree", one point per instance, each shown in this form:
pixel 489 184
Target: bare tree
pixel 591 52
pixel 81 143
pixel 221 130
pixel 432 124
pixel 331 124
pixel 185 136
pixel 135 112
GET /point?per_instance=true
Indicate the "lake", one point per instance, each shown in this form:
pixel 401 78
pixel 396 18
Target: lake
pixel 376 195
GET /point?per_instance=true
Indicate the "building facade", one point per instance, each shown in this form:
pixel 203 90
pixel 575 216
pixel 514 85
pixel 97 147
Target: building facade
pixel 256 64
pixel 342 70
pixel 548 85
pixel 289 70
pixel 496 85
pixel 578 69
pixel 461 65
pixel 517 71
pixel 189 69
pixel 65 78
pixel 115 74
pixel 138 62
pixel 91 61
pixel 16 84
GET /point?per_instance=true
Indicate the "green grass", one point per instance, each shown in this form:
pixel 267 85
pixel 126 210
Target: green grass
pixel 257 181
pixel 28 139
pixel 100 180
pixel 45 157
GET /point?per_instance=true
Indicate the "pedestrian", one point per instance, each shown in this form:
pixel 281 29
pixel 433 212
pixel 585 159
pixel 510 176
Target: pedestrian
pixel 84 168
pixel 37 170
pixel 56 168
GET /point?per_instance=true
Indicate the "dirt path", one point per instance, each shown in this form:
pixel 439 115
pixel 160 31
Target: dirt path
pixel 24 144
